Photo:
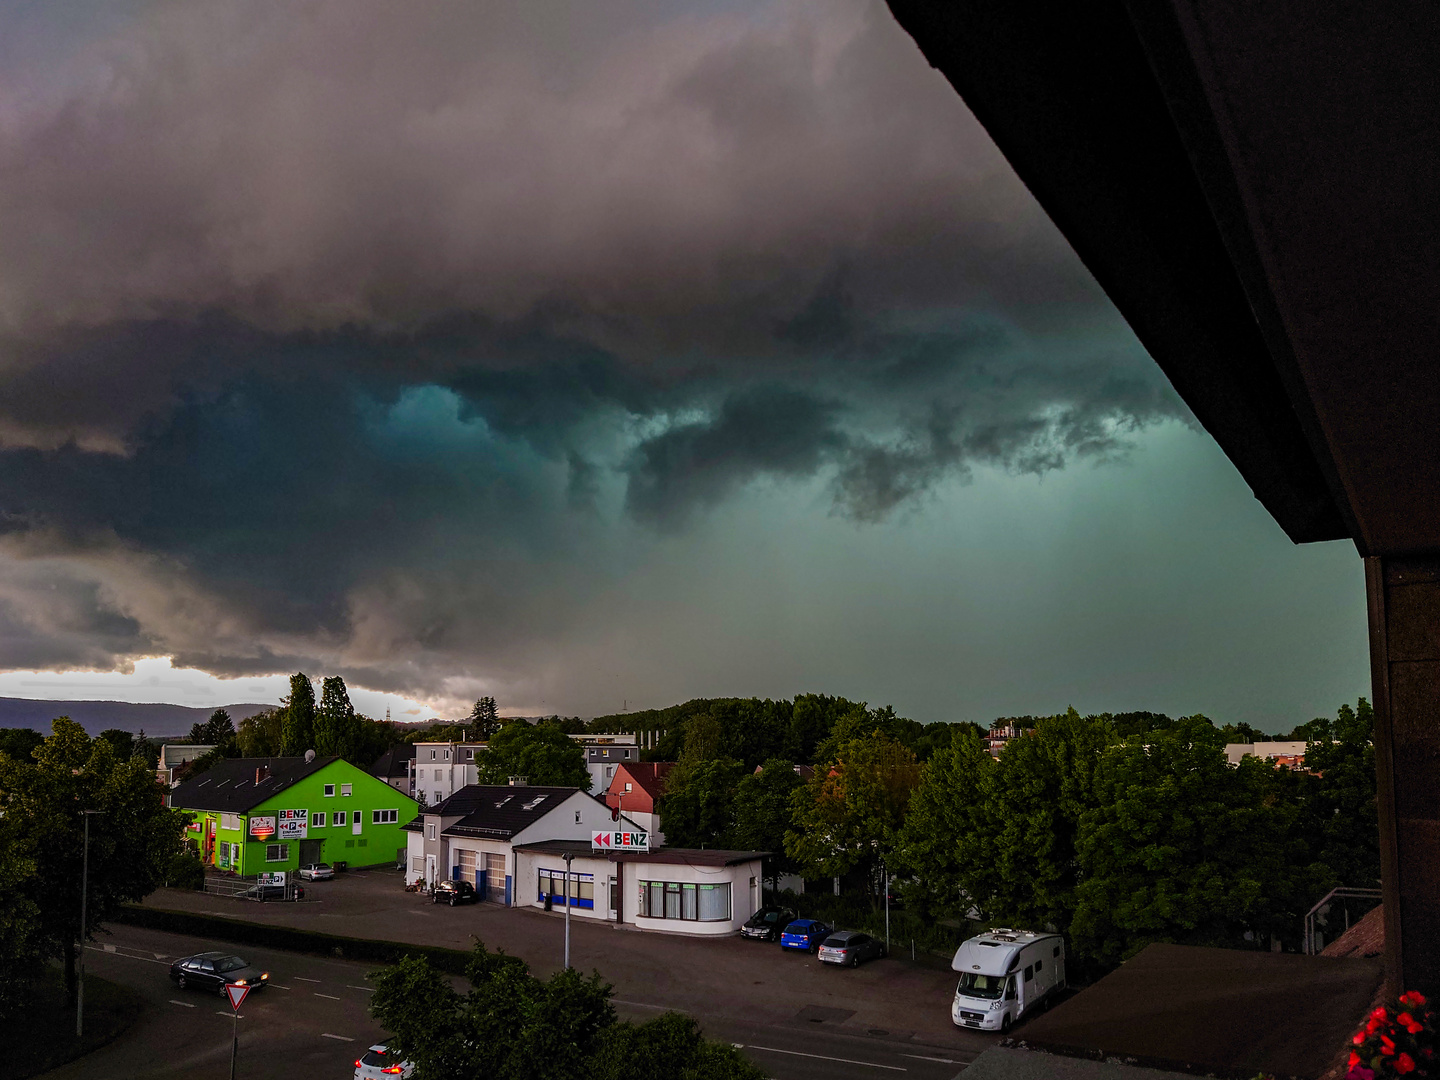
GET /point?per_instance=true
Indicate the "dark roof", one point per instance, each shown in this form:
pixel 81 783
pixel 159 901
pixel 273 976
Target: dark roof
pixel 498 811
pixel 649 775
pixel 230 785
pixel 663 855
pixel 394 762
pixel 1249 185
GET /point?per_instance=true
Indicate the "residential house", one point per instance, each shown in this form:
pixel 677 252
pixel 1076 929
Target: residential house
pixel 174 755
pixel 605 753
pixel 443 768
pixel 635 791
pixel 397 768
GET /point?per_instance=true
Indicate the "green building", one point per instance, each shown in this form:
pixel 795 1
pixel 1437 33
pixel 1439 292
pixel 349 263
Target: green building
pixel 260 815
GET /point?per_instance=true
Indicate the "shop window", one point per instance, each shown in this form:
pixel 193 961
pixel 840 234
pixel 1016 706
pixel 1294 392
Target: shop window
pixel 551 884
pixel 686 901
pixel 317 819
pixel 384 817
pixel 277 852
pixel 329 791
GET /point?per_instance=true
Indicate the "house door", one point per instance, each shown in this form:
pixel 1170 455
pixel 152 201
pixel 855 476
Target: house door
pixel 430 870
pixel 614 899
pixel 310 851
pixel 355 819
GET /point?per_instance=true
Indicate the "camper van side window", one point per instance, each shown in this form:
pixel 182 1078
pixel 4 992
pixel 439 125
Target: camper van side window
pixel 1039 965
pixel 1056 953
pixel 1029 972
pixel 1010 990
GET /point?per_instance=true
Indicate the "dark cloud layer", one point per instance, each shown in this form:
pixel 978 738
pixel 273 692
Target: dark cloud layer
pixel 377 339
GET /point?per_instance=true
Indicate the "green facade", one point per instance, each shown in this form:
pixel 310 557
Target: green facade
pixel 225 840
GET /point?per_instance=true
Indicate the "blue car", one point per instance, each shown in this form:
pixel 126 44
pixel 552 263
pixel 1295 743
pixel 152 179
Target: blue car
pixel 805 934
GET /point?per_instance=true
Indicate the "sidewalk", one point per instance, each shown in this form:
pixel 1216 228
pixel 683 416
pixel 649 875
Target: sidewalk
pixel 706 977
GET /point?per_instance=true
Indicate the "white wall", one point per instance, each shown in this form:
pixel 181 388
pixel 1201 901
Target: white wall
pixel 530 863
pixel 744 879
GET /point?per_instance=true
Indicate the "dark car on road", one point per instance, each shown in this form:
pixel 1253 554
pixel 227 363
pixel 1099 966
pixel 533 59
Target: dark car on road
pixel 455 892
pixel 767 923
pixel 264 892
pixel 214 970
pixel 850 947
pixel 806 934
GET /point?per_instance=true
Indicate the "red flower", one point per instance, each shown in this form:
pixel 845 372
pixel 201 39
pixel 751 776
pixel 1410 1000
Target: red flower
pixel 1380 1014
pixel 1404 1064
pixel 1359 1038
pixel 1414 999
pixel 1404 1019
pixel 1387 1046
pixel 1354 1060
pixel 1414 1029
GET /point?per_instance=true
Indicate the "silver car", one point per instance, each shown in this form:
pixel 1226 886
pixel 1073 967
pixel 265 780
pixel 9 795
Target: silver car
pixel 316 871
pixel 850 947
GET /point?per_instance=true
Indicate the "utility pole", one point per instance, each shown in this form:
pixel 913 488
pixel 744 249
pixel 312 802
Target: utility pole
pixel 568 857
pixel 886 869
pixel 84 894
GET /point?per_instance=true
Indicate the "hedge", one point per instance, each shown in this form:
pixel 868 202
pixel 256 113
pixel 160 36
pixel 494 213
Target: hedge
pixel 289 938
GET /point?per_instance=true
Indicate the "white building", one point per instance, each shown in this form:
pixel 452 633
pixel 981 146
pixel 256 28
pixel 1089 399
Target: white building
pixel 1281 753
pixel 702 891
pixel 172 756
pixel 441 769
pixel 603 753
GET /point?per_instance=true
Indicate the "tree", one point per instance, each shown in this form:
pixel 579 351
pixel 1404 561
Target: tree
pixel 698 806
pixel 763 812
pixel 19 743
pixel 122 742
pixel 21 948
pixel 1177 847
pixel 542 754
pixel 849 816
pixel 945 835
pixel 132 837
pixel 218 731
pixel 337 728
pixel 1339 816
pixel 262 735
pixel 484 719
pixel 298 728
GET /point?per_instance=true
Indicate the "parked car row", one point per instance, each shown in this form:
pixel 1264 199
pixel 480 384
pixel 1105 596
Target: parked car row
pixel 831 946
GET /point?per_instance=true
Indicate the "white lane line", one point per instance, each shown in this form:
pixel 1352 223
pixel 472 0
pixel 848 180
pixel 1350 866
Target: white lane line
pixel 302 978
pixel 367 989
pixel 341 1038
pixel 162 956
pixel 638 1004
pixel 277 986
pixel 823 1057
pixel 922 1057
pixel 332 997
pixel 110 949
pixel 227 1012
pixel 186 1004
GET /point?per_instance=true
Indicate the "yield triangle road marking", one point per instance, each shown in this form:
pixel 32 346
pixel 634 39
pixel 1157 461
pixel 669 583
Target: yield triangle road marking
pixel 236 994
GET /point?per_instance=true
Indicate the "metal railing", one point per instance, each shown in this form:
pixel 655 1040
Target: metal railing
pixel 1340 893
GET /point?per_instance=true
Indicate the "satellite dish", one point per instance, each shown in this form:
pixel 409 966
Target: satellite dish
pixel 309 756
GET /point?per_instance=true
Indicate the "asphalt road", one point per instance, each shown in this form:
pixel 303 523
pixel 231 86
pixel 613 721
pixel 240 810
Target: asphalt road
pixel 313 1021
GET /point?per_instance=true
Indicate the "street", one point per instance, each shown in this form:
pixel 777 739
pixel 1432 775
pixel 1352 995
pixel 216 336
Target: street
pixel 312 1022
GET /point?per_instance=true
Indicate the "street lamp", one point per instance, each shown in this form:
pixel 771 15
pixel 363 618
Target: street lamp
pixel 84 894
pixel 568 857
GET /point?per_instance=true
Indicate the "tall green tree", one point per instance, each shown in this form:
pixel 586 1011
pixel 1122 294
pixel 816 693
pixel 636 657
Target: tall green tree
pixel 19 743
pixel 337 728
pixel 1178 846
pixel 764 813
pixel 298 727
pixel 945 836
pixel 263 734
pixel 484 719
pixel 698 806
pixel 21 946
pixel 541 753
pixel 849 816
pixel 217 731
pixel 132 833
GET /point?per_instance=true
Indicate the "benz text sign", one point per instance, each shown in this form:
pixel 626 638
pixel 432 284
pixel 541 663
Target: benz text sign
pixel 619 841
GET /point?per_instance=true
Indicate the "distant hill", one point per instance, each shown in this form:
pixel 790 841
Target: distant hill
pixel 97 716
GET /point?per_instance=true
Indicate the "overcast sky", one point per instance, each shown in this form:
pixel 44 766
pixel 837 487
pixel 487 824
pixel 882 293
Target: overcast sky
pixel 584 355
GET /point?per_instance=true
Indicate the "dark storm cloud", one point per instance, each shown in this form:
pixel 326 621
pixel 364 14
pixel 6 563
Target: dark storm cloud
pixel 378 337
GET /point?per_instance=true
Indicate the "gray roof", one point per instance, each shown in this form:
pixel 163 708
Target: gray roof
pixel 230 785
pixel 497 812
pixel 394 762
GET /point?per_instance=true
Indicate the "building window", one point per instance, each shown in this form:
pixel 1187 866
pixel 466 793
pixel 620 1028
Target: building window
pixel 685 901
pixel 438 774
pixel 430 832
pixel 627 787
pixel 552 885
pixel 317 819
pixel 339 817
pixel 384 817
pixel 277 852
pixel 432 755
pixel 329 791
pixel 344 789
pixel 417 863
pixel 469 754
pixel 447 755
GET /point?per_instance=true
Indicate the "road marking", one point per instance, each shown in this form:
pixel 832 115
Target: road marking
pixel 922 1057
pixel 823 1057
pixel 227 1012
pixel 186 1004
pixel 341 1038
pixel 332 997
pixel 639 1004
pixel 302 978
pixel 162 956
pixel 367 989
pixel 108 948
pixel 278 986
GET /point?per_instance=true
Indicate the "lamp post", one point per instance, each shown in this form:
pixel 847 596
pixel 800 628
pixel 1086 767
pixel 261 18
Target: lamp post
pixel 84 894
pixel 568 857
pixel 886 870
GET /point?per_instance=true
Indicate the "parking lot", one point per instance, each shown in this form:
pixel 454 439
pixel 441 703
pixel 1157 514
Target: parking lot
pixel 724 982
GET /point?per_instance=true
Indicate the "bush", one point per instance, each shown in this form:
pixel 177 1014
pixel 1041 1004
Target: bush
pixel 185 871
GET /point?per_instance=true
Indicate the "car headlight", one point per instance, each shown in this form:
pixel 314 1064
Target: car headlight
pixel 994 1006
pixel 239 982
pixel 265 976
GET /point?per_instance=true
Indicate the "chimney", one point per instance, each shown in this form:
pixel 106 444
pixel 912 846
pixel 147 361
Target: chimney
pixel 519 781
pixel 262 772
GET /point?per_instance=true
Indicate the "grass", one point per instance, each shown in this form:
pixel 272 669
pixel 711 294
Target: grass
pixel 41 1035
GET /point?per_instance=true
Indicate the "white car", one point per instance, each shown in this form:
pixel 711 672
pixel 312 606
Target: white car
pixel 378 1063
pixel 316 871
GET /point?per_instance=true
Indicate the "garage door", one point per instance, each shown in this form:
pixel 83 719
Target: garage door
pixel 495 877
pixel 467 866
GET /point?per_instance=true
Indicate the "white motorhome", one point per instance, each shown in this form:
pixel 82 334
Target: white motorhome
pixel 1005 974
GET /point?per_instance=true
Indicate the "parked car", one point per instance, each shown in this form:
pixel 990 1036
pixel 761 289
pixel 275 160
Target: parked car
pixel 850 947
pixel 805 934
pixel 316 871
pixel 264 892
pixel 454 892
pixel 767 923
pixel 378 1063
pixel 214 970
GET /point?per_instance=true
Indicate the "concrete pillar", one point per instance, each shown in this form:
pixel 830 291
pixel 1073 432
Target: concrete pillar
pixel 1403 596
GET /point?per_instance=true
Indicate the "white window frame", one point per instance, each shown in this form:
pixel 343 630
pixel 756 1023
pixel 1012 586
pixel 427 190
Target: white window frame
pixel 317 819
pixel 429 832
pixel 329 791
pixel 384 817
pixel 339 819
pixel 277 853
